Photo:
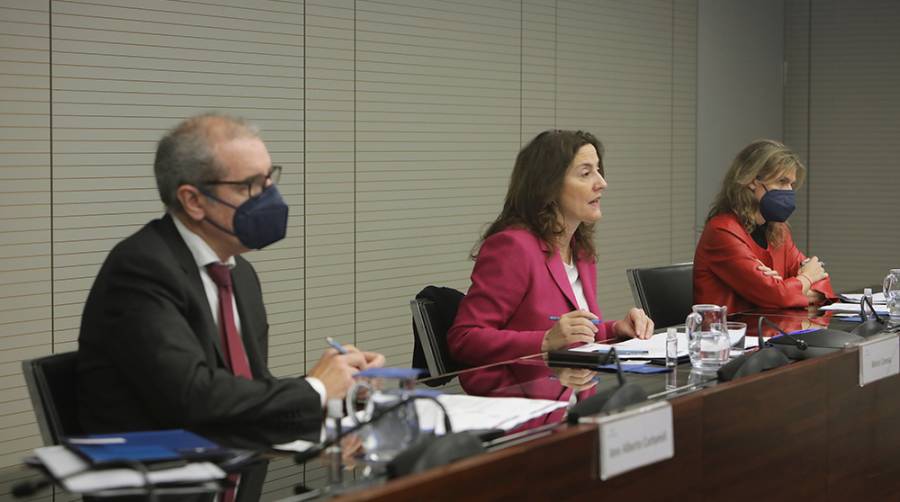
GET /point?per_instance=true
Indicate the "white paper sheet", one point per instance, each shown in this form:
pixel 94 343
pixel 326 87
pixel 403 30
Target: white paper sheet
pixel 853 307
pixel 652 348
pixel 857 297
pixel 66 466
pixel 474 412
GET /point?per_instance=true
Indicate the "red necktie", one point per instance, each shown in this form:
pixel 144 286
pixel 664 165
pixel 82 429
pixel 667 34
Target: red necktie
pixel 231 341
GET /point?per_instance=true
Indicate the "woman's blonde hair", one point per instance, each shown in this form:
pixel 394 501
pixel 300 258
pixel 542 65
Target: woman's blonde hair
pixel 763 160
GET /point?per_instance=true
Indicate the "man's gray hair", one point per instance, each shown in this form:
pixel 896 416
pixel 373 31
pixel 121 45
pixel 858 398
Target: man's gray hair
pixel 185 155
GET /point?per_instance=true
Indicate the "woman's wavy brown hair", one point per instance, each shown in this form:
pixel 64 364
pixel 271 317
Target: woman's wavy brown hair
pixel 532 200
pixel 764 160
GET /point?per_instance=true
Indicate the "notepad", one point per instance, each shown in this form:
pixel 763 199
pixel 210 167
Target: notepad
pixel 146 446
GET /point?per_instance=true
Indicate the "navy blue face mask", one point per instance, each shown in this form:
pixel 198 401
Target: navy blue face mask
pixel 777 205
pixel 258 221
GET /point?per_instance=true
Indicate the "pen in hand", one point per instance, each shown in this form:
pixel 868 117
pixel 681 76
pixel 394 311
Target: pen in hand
pixel 556 318
pixel 338 347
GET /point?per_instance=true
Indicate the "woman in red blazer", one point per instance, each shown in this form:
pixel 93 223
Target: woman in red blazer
pixel 746 257
pixel 537 262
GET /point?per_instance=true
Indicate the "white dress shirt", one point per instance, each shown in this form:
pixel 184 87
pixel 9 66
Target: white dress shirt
pixel 577 288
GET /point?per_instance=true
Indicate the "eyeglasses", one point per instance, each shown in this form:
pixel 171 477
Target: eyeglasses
pixel 255 184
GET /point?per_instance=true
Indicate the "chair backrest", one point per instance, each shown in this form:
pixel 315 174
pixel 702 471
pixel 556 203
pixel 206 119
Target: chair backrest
pixel 665 293
pixel 53 386
pixel 433 312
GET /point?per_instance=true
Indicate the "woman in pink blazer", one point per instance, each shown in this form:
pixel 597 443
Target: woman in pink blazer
pixel 537 262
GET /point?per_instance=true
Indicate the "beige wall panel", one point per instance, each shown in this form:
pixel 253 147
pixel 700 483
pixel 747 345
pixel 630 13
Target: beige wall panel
pixel 853 149
pixel 25 227
pixel 797 104
pixel 329 190
pixel 419 64
pixel 683 235
pixel 624 96
pixel 397 123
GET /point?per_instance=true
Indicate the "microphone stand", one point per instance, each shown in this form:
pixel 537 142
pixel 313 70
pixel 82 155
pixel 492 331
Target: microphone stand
pixel 626 394
pixel 340 433
pixel 765 358
pixel 796 342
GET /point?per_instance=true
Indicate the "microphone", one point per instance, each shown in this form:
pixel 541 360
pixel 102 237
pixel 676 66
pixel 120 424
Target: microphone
pixel 808 344
pixel 314 452
pixel 796 342
pixel 750 363
pixel 427 452
pixel 869 326
pixel 626 394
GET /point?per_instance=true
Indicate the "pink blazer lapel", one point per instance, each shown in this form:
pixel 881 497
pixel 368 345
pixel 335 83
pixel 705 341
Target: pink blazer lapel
pixel 558 272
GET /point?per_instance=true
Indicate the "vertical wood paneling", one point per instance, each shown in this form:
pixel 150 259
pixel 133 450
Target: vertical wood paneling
pixel 538 69
pixel 682 231
pixel 796 103
pixel 614 69
pixel 853 150
pixel 124 73
pixel 397 122
pixel 438 125
pixel 26 316
pixel 330 193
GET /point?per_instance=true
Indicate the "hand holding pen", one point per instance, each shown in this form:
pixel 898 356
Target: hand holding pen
pixel 571 327
pixel 338 365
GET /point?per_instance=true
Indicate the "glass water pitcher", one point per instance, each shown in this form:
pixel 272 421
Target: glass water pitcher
pixel 892 294
pixel 708 341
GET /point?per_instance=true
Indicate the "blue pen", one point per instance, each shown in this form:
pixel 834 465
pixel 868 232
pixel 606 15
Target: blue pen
pixel 802 331
pixel 338 347
pixel 556 318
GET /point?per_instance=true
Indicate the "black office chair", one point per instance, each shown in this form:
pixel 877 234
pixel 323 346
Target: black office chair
pixel 433 312
pixel 665 293
pixel 52 385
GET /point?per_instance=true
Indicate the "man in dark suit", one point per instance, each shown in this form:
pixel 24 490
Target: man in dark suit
pixel 174 331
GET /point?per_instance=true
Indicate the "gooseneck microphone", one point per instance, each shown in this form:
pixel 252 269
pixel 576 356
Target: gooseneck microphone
pixel 315 451
pixel 625 394
pixel 765 358
pixel 796 342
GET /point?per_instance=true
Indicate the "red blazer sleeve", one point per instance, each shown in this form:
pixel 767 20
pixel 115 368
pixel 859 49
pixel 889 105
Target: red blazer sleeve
pixel 499 283
pixel 733 262
pixel 793 259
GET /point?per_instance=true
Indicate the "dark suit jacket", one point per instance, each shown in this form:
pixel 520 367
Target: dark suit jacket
pixel 149 354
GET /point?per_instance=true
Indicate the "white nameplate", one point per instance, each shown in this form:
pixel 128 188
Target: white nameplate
pixel 879 357
pixel 635 438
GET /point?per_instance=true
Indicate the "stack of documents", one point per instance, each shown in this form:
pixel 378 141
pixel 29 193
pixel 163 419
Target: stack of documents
pixel 474 412
pixel 853 308
pixel 77 476
pixel 652 348
pixel 466 413
pixel 857 297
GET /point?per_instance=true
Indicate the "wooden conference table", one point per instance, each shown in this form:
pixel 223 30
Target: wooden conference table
pixel 803 431
pixel 806 431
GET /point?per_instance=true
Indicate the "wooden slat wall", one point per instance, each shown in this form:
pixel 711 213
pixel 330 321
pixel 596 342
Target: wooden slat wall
pixel 683 234
pixel 616 77
pixel 438 108
pixel 397 122
pixel 853 149
pixel 539 76
pixel 796 103
pixel 26 314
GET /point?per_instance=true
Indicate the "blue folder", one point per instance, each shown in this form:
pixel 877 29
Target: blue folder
pixel 146 446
